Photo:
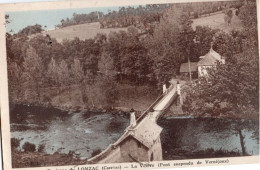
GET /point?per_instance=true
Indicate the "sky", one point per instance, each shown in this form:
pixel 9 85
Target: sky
pixel 50 18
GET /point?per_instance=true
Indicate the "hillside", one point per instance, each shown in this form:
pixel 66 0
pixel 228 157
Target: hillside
pixel 89 30
pixel 83 31
pixel 216 21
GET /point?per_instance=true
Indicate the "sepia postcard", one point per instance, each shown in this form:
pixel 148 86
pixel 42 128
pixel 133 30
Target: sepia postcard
pixel 129 85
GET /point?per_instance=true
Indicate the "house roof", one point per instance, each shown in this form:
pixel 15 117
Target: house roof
pixel 147 132
pixel 210 59
pixel 185 67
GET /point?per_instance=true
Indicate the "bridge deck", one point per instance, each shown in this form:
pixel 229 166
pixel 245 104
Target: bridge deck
pixel 164 103
pixel 159 106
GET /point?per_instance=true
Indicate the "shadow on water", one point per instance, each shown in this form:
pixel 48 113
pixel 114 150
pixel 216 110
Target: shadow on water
pixel 26 117
pixel 184 138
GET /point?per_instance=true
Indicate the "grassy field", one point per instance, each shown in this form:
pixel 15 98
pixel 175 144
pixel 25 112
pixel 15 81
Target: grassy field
pixel 90 30
pixel 82 31
pixel 217 22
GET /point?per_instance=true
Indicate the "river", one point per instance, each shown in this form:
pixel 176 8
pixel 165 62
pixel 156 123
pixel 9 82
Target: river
pixel 187 137
pixel 84 132
pixel 61 131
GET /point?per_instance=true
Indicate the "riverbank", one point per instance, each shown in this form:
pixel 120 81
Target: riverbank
pixel 35 159
pixel 178 110
pixel 197 138
pixel 175 110
pixel 71 99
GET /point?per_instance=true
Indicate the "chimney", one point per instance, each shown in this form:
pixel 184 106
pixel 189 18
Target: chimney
pixel 132 118
pixel 211 47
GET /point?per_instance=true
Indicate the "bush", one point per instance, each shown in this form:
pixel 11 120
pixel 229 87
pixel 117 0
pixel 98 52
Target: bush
pixel 41 148
pixel 196 15
pixel 96 152
pixel 29 147
pixel 15 143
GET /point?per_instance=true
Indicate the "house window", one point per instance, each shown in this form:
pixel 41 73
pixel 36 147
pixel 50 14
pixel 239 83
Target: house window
pixel 151 157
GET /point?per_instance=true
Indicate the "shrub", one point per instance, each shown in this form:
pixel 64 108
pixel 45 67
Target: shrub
pixel 71 153
pixel 196 15
pixel 41 148
pixel 29 147
pixel 95 152
pixel 15 143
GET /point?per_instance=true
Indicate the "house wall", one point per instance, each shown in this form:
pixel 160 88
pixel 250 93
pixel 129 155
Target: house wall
pixel 156 150
pixel 202 70
pixel 137 151
pixel 112 157
pixel 193 74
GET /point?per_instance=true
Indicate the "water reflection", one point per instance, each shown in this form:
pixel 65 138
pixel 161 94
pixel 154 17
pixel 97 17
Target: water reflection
pixel 184 138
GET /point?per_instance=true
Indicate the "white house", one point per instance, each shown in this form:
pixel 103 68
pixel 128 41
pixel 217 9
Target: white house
pixel 208 61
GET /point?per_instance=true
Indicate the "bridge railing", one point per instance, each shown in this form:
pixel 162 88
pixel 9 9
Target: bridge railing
pixel 153 104
pixel 144 114
pixel 167 106
pixel 111 147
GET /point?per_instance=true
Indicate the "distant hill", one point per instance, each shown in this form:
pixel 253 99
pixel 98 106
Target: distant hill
pixel 90 30
pixel 82 31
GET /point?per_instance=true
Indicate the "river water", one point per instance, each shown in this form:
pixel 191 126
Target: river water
pixel 186 137
pixel 61 131
pixel 84 132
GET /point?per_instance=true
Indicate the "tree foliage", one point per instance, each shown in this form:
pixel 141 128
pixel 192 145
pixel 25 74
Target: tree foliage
pixel 203 39
pixel 149 52
pixel 33 72
pixel 77 71
pixel 232 89
pixel 248 17
pixel 53 72
pixel 228 16
pixel 29 30
pixel 29 147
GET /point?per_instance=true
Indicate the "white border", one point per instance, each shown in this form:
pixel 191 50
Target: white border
pixel 71 4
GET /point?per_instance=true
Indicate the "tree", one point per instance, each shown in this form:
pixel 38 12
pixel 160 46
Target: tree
pixel 31 29
pixel 7 21
pixel 33 74
pixel 63 73
pixel 162 47
pixel 203 39
pixel 15 80
pixel 186 39
pixel 79 78
pixel 53 72
pixel 29 147
pixel 106 66
pixel 77 71
pixel 248 17
pixel 103 92
pixel 228 16
pixel 230 90
pixel 15 143
pixel 223 44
